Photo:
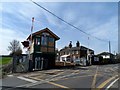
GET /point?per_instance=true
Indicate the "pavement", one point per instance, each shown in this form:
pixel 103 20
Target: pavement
pixel 90 77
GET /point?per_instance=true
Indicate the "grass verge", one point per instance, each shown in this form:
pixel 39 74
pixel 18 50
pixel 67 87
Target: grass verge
pixel 5 60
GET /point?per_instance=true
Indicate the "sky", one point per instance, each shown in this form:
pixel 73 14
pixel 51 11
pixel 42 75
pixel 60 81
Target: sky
pixel 99 19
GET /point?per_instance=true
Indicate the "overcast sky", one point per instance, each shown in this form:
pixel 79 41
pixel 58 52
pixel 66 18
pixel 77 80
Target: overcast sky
pixel 99 19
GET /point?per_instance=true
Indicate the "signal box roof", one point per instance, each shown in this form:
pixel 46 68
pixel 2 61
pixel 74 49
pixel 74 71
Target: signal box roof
pixel 42 31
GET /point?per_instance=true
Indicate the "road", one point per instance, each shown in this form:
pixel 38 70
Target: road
pixel 90 77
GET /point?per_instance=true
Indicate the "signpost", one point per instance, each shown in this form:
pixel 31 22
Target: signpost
pixel 28 45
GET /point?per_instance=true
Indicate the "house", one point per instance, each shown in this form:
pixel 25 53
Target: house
pixel 97 60
pixel 107 57
pixel 76 54
pixel 42 49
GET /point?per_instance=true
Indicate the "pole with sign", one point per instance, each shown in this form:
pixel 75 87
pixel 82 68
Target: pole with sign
pixel 30 48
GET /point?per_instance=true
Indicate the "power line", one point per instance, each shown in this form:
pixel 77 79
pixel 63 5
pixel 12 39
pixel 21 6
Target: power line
pixel 69 23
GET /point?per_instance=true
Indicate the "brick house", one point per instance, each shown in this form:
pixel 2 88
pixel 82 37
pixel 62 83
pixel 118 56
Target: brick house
pixel 75 53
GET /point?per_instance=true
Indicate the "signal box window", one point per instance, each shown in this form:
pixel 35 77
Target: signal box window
pixel 51 39
pixel 37 41
pixel 43 40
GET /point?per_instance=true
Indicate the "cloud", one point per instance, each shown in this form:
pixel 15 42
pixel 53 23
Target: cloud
pixel 7 35
pixel 28 11
pixel 79 14
pixel 54 8
pixel 108 30
pixel 98 19
pixel 19 16
pixel 61 1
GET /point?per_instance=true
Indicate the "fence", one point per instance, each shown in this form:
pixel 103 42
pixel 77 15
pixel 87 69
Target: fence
pixel 20 63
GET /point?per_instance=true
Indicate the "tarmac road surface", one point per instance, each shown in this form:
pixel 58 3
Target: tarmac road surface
pixel 90 77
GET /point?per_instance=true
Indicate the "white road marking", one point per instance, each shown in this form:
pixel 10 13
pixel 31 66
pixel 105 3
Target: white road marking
pixel 10 75
pixel 112 83
pixel 42 81
pixel 26 79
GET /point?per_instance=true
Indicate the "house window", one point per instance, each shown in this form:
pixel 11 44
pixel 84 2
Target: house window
pixel 72 52
pixel 51 39
pixel 67 53
pixel 77 57
pixel 76 52
pixel 43 40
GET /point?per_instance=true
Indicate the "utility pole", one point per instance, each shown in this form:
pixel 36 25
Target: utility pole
pixel 114 53
pixel 109 47
pixel 88 53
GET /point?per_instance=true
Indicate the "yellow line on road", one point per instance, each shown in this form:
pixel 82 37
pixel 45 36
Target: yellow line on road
pixel 106 82
pixel 60 73
pixel 61 86
pixel 76 71
pixel 94 79
pixel 82 76
pixel 74 77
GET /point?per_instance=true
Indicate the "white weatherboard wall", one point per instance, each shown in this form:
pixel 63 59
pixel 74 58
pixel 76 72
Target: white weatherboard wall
pixel 32 47
pixel 63 57
pixel 106 56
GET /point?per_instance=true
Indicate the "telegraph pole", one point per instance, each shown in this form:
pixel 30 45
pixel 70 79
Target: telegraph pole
pixel 109 47
pixel 88 53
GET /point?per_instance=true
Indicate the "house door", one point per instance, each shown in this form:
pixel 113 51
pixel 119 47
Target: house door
pixel 37 63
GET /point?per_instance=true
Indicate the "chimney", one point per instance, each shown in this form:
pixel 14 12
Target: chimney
pixel 70 45
pixel 77 44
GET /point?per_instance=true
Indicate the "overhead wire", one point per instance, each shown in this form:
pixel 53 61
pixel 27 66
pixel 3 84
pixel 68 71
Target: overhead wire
pixel 69 23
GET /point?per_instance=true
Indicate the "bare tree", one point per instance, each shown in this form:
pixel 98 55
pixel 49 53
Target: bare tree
pixel 15 47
